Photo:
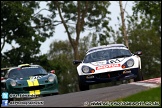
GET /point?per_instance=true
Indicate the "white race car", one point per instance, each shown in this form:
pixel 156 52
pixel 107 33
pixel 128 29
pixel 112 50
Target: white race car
pixel 108 63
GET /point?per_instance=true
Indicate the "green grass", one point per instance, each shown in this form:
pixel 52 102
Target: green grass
pixel 148 97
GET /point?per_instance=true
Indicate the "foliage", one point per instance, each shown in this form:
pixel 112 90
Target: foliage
pixel 149 42
pixel 20 25
pixel 150 14
pixel 76 16
pixel 60 58
pixel 148 35
pixel 144 35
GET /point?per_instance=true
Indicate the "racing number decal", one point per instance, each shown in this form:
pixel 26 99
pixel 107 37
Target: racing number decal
pixel 34 92
pixel 33 82
pixel 30 83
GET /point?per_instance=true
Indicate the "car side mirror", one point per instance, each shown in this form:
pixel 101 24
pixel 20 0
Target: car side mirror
pixel 75 62
pixel 138 53
pixel 2 78
pixel 52 71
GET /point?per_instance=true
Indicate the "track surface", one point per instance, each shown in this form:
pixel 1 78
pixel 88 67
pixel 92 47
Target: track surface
pixel 82 98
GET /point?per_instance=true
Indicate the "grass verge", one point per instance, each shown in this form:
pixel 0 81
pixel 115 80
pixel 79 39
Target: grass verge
pixel 148 98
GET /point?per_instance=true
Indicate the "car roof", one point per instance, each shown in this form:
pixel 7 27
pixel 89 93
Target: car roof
pixel 2 69
pixel 20 66
pixel 28 65
pixel 6 68
pixel 105 46
pixel 5 71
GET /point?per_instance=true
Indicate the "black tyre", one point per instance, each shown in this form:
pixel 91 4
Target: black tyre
pixel 82 86
pixel 139 76
pixel 55 93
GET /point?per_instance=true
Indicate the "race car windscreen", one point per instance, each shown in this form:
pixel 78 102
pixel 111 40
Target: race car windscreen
pixel 106 55
pixel 26 72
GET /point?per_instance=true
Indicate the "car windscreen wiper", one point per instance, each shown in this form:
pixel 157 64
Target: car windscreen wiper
pixel 39 74
pixel 120 56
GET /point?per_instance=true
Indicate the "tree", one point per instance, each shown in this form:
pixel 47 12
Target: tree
pixel 145 34
pixel 123 25
pixel 77 15
pixel 19 24
pixel 150 14
pixel 60 57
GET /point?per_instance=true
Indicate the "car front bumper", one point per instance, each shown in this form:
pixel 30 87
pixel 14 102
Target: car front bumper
pixel 41 89
pixel 109 76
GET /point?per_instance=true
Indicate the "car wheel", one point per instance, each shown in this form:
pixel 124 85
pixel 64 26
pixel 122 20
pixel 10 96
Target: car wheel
pixel 131 80
pixel 83 86
pixel 139 76
pixel 55 93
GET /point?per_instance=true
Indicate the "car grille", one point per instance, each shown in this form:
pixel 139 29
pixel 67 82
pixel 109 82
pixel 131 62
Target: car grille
pixel 40 87
pixel 109 74
pixel 34 88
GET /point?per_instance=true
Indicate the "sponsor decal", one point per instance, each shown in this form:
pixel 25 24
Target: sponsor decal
pixel 29 67
pixel 107 66
pixel 126 71
pixel 99 63
pixel 114 61
pixel 35 77
pixel 117 60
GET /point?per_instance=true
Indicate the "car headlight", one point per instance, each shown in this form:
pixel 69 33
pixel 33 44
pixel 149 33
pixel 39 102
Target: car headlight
pixel 13 83
pixel 51 78
pixel 85 69
pixel 130 63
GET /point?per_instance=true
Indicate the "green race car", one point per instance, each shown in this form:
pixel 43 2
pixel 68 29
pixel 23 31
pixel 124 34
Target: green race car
pixel 26 80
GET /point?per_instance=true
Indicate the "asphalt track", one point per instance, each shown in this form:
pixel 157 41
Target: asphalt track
pixel 85 98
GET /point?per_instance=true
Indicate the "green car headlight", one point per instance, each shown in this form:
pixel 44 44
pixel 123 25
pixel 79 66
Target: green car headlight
pixel 51 78
pixel 13 83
